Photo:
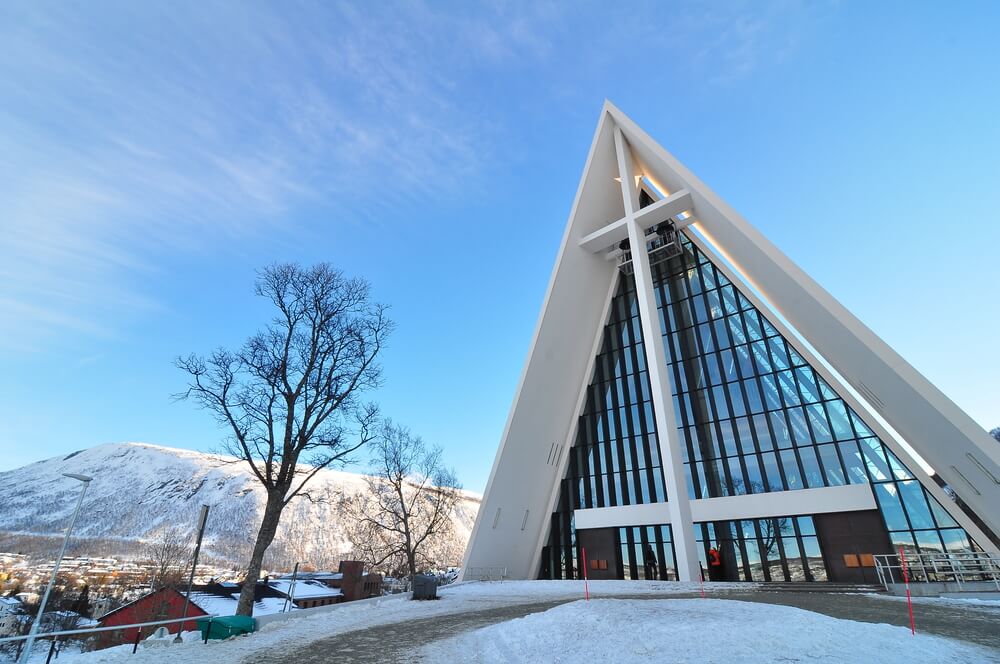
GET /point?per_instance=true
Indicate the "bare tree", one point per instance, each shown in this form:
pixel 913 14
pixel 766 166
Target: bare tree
pixel 291 396
pixel 167 554
pixel 407 510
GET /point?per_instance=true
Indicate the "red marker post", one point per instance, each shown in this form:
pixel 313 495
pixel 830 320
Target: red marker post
pixel 906 580
pixel 586 586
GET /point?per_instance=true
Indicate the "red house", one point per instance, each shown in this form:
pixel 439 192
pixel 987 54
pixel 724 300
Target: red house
pixel 164 604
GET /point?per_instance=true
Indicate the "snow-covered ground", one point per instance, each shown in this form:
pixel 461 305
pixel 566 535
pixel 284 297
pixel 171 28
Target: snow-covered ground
pixel 667 630
pixel 299 631
pixel 694 630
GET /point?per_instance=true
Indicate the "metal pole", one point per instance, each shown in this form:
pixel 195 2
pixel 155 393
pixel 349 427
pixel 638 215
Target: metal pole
pixel 26 653
pixel 291 589
pixel 202 518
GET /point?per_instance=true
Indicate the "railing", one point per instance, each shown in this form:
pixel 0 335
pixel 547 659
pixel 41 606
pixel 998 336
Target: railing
pixel 55 636
pixel 957 568
pixel 486 574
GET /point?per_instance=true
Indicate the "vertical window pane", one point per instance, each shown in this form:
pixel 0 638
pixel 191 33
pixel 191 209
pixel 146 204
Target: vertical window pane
pixel 817 420
pixel 773 480
pixel 780 428
pixel 942 517
pixel 792 475
pixel 892 509
pixel 817 570
pixel 831 465
pixel 754 476
pixel 736 396
pixel 754 403
pixel 877 465
pixel 916 504
pixel 763 432
pixel 810 393
pixel 955 540
pixel 838 418
pixel 928 541
pixel 854 462
pixel 800 431
pixel 813 474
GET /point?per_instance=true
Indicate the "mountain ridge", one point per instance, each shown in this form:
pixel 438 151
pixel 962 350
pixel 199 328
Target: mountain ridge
pixel 141 489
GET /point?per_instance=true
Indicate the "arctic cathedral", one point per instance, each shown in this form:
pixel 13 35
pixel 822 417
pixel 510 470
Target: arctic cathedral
pixel 694 404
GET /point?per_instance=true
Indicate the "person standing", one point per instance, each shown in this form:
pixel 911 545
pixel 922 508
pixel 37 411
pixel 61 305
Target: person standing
pixel 651 568
pixel 714 565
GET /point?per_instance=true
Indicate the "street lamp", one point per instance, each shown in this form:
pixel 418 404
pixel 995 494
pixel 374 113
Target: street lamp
pixel 26 653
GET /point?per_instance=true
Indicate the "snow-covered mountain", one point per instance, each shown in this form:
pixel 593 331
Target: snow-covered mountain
pixel 140 489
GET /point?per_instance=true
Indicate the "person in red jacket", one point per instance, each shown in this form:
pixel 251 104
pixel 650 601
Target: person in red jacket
pixel 714 565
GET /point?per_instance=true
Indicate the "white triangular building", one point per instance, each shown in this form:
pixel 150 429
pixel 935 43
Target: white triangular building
pixel 726 446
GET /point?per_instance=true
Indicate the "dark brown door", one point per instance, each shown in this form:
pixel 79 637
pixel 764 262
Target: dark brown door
pixel 848 540
pixel 603 555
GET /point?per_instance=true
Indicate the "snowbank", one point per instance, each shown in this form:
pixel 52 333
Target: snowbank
pixel 456 598
pixel 694 630
pixel 611 627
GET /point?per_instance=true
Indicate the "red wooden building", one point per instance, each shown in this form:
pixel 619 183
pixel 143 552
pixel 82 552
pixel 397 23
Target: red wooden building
pixel 164 604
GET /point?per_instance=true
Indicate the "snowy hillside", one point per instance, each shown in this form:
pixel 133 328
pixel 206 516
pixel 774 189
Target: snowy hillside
pixel 141 489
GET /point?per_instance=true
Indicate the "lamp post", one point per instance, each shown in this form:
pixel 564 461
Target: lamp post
pixel 26 653
pixel 202 518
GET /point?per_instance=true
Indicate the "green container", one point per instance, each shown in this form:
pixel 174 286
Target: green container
pixel 225 626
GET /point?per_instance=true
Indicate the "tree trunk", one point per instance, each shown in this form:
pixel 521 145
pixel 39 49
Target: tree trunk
pixel 268 528
pixel 411 562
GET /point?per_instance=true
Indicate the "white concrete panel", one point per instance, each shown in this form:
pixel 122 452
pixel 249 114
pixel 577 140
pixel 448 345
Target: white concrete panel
pixel 650 514
pixel 543 411
pixel 849 498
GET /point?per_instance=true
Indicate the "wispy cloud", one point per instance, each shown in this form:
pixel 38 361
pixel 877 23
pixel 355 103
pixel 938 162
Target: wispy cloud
pixel 128 130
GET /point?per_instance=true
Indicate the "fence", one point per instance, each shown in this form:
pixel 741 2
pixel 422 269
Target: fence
pixel 955 568
pixel 486 574
pixel 55 636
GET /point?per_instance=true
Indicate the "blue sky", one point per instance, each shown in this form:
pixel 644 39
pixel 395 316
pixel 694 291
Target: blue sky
pixel 153 156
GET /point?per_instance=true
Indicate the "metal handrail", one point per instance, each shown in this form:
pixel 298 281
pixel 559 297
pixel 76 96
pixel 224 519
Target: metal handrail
pixel 488 573
pixel 937 567
pixel 112 628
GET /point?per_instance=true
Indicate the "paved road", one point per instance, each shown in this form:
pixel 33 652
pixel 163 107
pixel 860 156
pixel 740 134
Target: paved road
pixel 398 642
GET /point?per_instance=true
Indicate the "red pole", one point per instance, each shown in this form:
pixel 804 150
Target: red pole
pixel 906 580
pixel 586 586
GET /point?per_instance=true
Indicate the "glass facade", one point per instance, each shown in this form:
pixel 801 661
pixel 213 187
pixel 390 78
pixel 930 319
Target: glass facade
pixel 615 459
pixel 777 549
pixel 752 417
pixel 647 552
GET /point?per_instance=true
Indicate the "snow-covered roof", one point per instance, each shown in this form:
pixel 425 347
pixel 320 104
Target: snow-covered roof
pixel 305 589
pixel 314 575
pixel 226 605
pixel 214 604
